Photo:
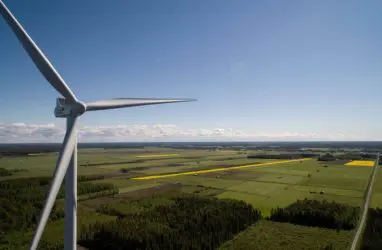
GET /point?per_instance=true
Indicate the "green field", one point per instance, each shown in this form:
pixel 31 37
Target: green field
pixel 265 187
pixel 284 236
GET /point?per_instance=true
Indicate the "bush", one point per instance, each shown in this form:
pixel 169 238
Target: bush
pixel 326 157
pixel 124 170
pixel 5 172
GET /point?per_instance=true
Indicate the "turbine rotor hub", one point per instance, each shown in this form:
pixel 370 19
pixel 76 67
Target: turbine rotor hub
pixel 64 108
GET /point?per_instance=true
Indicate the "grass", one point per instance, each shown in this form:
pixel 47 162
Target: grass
pixel 259 188
pixel 145 163
pixel 138 187
pixel 281 185
pixel 336 182
pixel 122 182
pixel 284 236
pixel 279 178
pixel 55 231
pixel 202 181
pixel 376 199
pixel 161 170
pixel 253 199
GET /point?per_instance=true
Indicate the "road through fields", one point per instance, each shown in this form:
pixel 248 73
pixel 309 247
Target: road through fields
pixel 365 207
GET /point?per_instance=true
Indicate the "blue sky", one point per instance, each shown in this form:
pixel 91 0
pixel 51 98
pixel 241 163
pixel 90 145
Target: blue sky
pixel 260 69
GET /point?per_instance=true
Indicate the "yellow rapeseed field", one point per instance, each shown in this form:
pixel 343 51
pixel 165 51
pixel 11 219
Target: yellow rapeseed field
pixel 155 156
pixel 361 163
pixel 216 169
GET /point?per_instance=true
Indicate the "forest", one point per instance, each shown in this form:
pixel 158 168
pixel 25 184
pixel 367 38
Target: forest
pixel 22 200
pixel 189 222
pixel 318 214
pixel 372 237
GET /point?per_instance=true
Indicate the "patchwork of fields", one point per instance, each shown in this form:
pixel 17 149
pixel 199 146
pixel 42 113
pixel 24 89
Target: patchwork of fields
pixel 264 183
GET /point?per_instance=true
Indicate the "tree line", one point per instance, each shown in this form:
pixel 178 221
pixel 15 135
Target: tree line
pixel 347 156
pixel 83 178
pixel 282 156
pixel 316 213
pixel 89 187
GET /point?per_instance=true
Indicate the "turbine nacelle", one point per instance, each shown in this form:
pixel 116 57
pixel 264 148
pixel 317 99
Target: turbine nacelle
pixel 65 108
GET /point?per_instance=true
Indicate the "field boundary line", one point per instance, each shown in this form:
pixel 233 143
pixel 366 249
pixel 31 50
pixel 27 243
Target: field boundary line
pixel 365 207
pixel 217 169
pixel 156 156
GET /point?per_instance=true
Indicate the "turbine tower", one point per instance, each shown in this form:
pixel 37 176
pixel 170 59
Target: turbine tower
pixel 70 108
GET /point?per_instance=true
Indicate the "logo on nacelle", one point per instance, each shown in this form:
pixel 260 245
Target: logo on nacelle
pixel 66 108
pixel 62 109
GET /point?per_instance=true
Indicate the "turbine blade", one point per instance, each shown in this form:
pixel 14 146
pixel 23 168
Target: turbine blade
pixel 129 102
pixel 41 62
pixel 62 165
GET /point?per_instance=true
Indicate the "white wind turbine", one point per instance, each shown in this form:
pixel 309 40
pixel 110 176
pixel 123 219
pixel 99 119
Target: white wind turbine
pixel 70 108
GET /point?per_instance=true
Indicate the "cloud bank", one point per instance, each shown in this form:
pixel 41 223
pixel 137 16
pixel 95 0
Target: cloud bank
pixel 21 132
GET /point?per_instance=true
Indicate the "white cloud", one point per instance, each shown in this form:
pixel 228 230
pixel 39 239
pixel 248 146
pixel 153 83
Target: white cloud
pixel 21 132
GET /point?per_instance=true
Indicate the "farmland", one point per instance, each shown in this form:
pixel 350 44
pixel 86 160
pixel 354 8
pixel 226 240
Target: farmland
pixel 283 236
pixel 149 178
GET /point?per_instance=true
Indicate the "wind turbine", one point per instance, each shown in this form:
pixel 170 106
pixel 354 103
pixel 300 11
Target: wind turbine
pixel 70 108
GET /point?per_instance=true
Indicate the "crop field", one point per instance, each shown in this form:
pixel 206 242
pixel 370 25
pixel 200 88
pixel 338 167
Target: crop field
pixel 142 173
pixel 360 163
pixel 284 236
pixel 376 200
